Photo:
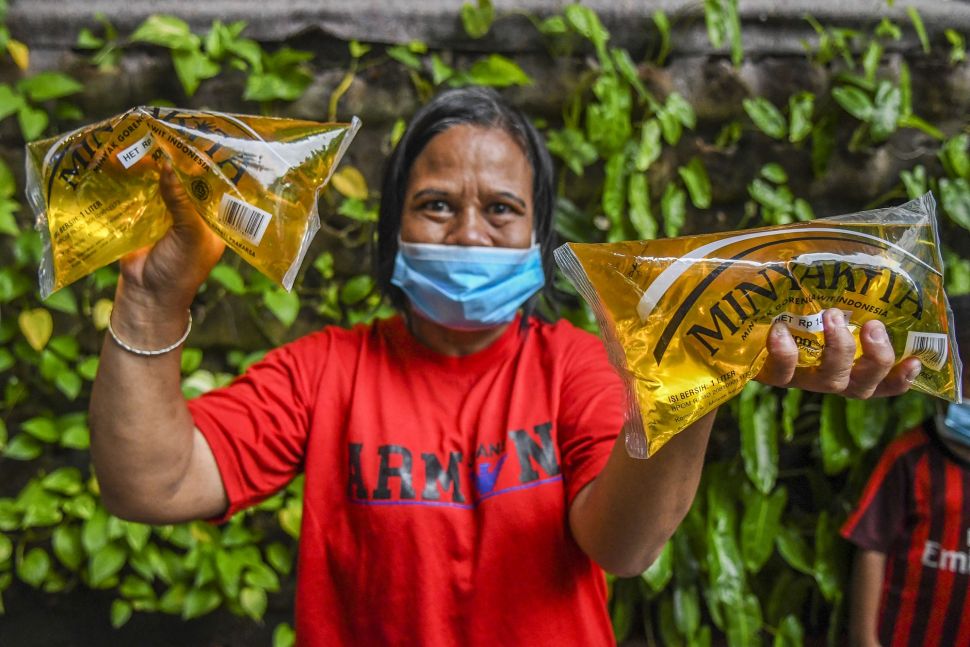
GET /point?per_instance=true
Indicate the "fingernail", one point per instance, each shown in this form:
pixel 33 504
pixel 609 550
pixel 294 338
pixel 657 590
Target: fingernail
pixel 912 375
pixel 878 333
pixel 779 329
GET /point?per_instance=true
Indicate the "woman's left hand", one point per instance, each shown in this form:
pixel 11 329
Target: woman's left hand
pixel 875 374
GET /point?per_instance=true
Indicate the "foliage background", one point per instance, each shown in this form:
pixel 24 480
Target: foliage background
pixel 757 561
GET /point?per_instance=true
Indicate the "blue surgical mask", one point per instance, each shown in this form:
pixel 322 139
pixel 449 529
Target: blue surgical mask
pixel 956 424
pixel 467 288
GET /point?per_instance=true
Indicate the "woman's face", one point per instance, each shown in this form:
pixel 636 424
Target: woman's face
pixel 469 186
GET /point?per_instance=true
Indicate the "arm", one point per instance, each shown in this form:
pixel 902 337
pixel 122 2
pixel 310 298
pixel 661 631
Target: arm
pixel 625 515
pixel 152 464
pixel 867 576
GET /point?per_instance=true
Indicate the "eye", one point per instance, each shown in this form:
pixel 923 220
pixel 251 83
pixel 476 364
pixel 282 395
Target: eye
pixel 437 206
pixel 504 208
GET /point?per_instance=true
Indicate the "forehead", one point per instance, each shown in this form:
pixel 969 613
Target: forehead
pixel 468 150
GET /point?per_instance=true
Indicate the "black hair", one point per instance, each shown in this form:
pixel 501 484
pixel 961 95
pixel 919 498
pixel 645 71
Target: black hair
pixel 478 107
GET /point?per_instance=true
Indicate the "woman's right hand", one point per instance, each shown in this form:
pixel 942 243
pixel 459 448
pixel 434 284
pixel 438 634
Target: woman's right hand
pixel 167 275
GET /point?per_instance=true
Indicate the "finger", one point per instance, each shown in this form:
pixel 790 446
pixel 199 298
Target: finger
pixel 782 359
pixel 184 213
pixel 835 366
pixel 877 360
pixel 900 379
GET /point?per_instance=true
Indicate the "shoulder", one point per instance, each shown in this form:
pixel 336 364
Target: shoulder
pixel 912 443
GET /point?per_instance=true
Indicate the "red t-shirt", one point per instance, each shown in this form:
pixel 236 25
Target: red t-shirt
pixel 916 510
pixel 437 487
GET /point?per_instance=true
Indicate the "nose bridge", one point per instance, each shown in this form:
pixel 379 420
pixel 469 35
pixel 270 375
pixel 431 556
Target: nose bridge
pixel 470 226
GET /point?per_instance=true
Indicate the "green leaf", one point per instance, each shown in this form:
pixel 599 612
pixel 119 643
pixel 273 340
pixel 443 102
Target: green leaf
pixel 917 21
pixel 833 437
pixel 497 71
pixel 23 448
pixel 743 621
pixel 94 532
pixel 43 429
pixel 866 420
pixel 262 576
pixel 687 610
pixel 137 535
pixel 953 154
pixel 870 60
pixel 886 111
pixel 76 437
pixel 192 67
pixel 628 70
pixel 253 602
pixel 10 101
pixel 679 107
pixel 358 210
pixel 284 305
pixel 403 55
pixel 199 602
pixel 789 412
pixel 284 636
pixel 64 480
pixel 912 121
pixel 856 102
pixel 166 31
pixel 660 572
pixel 622 608
pixel 827 568
pixel 800 108
pixel 673 206
pixel 6 551
pixel 697 182
pixel 650 147
pixel 120 613
pixel 794 550
pixel 958 46
pixel 49 85
pixel 440 71
pixel 614 195
pixel 662 23
pixel 229 278
pixel 955 197
pixel 569 145
pixel 638 197
pixel 774 172
pixel 356 289
pixel 33 122
pixel 280 557
pixel 106 563
pixel 66 543
pixel 790 633
pixel 914 181
pixel 477 19
pixel 760 525
pixel 34 567
pixel 587 24
pixel 759 436
pixel 777 199
pixel 357 49
pixel 69 383
pixel 766 117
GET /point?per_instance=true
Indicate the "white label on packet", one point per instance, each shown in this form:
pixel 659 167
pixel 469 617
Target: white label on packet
pixel 807 323
pixel 136 151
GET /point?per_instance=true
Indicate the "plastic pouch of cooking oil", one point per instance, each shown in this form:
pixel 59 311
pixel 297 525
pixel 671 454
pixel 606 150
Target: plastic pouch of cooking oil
pixel 255 180
pixel 686 319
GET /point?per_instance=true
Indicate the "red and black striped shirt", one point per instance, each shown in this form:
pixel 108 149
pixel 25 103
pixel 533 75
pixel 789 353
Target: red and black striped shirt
pixel 916 510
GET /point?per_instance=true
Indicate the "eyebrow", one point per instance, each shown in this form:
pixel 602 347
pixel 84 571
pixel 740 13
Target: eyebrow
pixel 438 193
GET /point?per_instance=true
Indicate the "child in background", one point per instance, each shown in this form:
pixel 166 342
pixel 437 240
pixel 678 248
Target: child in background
pixel 912 530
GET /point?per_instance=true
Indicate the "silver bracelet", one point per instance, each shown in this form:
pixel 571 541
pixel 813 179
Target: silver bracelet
pixel 151 353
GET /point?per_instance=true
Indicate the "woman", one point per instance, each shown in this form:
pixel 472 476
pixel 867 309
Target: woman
pixel 466 477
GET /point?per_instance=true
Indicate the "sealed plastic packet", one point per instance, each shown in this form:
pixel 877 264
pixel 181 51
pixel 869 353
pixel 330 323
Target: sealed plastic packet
pixel 686 319
pixel 255 180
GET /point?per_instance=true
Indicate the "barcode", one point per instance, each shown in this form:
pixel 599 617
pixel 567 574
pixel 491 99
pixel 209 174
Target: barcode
pixel 244 218
pixel 929 347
